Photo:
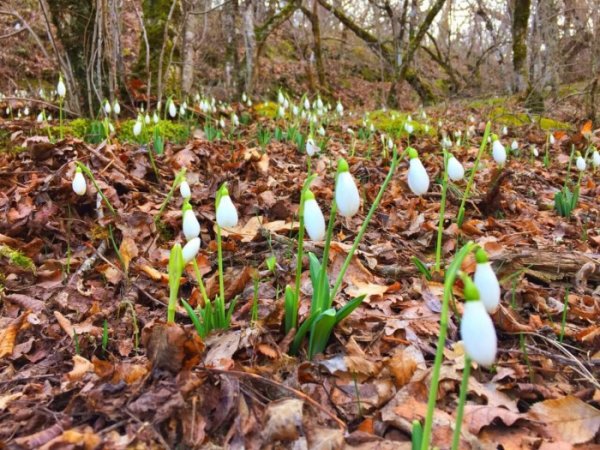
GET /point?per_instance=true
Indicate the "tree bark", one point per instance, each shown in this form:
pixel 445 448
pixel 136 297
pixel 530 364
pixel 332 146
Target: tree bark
pixel 520 22
pixel 191 25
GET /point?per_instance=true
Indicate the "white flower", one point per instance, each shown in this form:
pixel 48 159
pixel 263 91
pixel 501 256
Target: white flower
pixel 182 109
pixel 321 130
pixel 314 222
pixel 172 109
pixel 514 145
pixel 423 115
pixel 456 171
pixel 184 189
pixel 26 111
pixel 280 111
pixel 535 151
pixel 409 128
pixel 191 226
pixel 552 139
pixel 79 185
pixel 504 131
pixel 280 98
pixel 319 103
pixel 486 281
pixel 40 118
pixel 286 103
pixel 137 128
pixel 446 142
pixel 244 97
pixel 147 119
pixel 117 108
pixel 190 250
pixel 339 108
pixel 580 163
pixel 390 143
pixel 596 159
pixel 306 103
pixel 478 333
pixel 235 120
pixel 346 192
pixel 311 147
pixel 249 103
pixel 155 118
pixel 61 89
pixel 222 123
pixel 418 180
pixel 49 118
pixel 295 110
pixel 107 108
pixel 499 152
pixel 227 215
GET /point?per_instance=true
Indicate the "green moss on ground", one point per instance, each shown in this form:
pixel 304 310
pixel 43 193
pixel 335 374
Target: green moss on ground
pixel 392 122
pixel 266 109
pixel 17 258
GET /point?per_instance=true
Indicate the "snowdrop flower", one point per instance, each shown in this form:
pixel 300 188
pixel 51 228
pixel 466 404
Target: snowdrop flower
pixel 498 151
pixel 235 120
pixel 471 119
pixel 486 282
pixel 311 147
pixel 182 109
pixel 456 171
pixel 580 163
pixel 295 110
pixel 504 131
pixel 155 118
pixel 40 118
pixel 551 139
pixel 476 328
pixel 390 143
pixel 514 146
pixel 596 159
pixel 49 118
pixel 372 128
pixel 346 192
pixel 26 111
pixel 190 250
pixel 339 108
pixel 244 98
pixel 314 222
pixel 446 142
pixel 418 180
pixel 321 130
pixel 409 119
pixel 280 98
pixel 249 103
pixel 107 108
pixel 184 190
pixel 286 103
pixel 535 151
pixel 306 103
pixel 191 226
pixel 78 184
pixel 147 119
pixel 117 108
pixel 427 129
pixel 137 128
pixel 222 123
pixel 423 115
pixel 408 128
pixel 281 112
pixel 172 109
pixel 227 215
pixel 61 89
pixel 319 102
pixel 111 127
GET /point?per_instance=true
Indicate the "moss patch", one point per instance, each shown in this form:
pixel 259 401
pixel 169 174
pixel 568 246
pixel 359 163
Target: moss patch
pixel 266 109
pixel 17 258
pixel 392 122
pixel 502 116
pixel 171 131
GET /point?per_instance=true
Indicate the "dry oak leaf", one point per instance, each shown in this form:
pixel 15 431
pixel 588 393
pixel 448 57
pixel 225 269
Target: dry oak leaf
pixel 284 420
pixel 568 418
pixel 128 250
pixel 85 439
pixel 8 336
pixel 478 416
pixel 81 366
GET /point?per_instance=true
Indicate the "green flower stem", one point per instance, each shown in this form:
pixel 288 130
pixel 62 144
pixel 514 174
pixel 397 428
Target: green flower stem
pixel 175 271
pixel 299 255
pixel 221 300
pixel 60 117
pixel 150 150
pixel 323 279
pixel 461 211
pixel 200 282
pixel 338 282
pixel 438 247
pixel 178 179
pixel 85 169
pixel 464 387
pixel 451 275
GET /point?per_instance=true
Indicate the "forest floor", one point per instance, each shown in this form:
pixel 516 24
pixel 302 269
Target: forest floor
pixel 151 386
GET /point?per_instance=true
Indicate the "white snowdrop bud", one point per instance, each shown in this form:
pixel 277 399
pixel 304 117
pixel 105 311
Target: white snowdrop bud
pixel 514 145
pixel 191 226
pixel 295 110
pixel 172 109
pixel 339 108
pixel 390 143
pixel 227 215
pixel 182 109
pixel 409 128
pixel 552 140
pixel 61 89
pixel 346 192
pixel 499 152
pixel 456 171
pixel 79 185
pixel 147 119
pixel 107 108
pixel 596 159
pixel 222 123
pixel 40 118
pixel 314 222
pixel 26 111
pixel 184 190
pixel 280 98
pixel 137 128
pixel 286 104
pixel 244 97
pixel 155 118
pixel 117 108
pixel 580 163
pixel 418 180
pixel 319 103
pixel 486 281
pixel 311 147
pixel 478 333
pixel 306 103
pixel 190 250
pixel 235 120
pixel 504 131
pixel 50 118
pixel 321 130
pixel 535 151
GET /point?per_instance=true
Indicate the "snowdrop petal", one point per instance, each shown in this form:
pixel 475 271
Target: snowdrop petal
pixel 346 195
pixel 227 215
pixel 184 189
pixel 79 184
pixel 418 180
pixel 191 226
pixel 487 283
pixel 499 152
pixel 456 171
pixel 314 222
pixel 478 333
pixel 190 250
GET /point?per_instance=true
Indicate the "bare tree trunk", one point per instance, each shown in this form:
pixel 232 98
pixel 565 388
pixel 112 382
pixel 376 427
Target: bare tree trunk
pixel 191 25
pixel 232 61
pixel 520 22
pixel 313 17
pixel 249 44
